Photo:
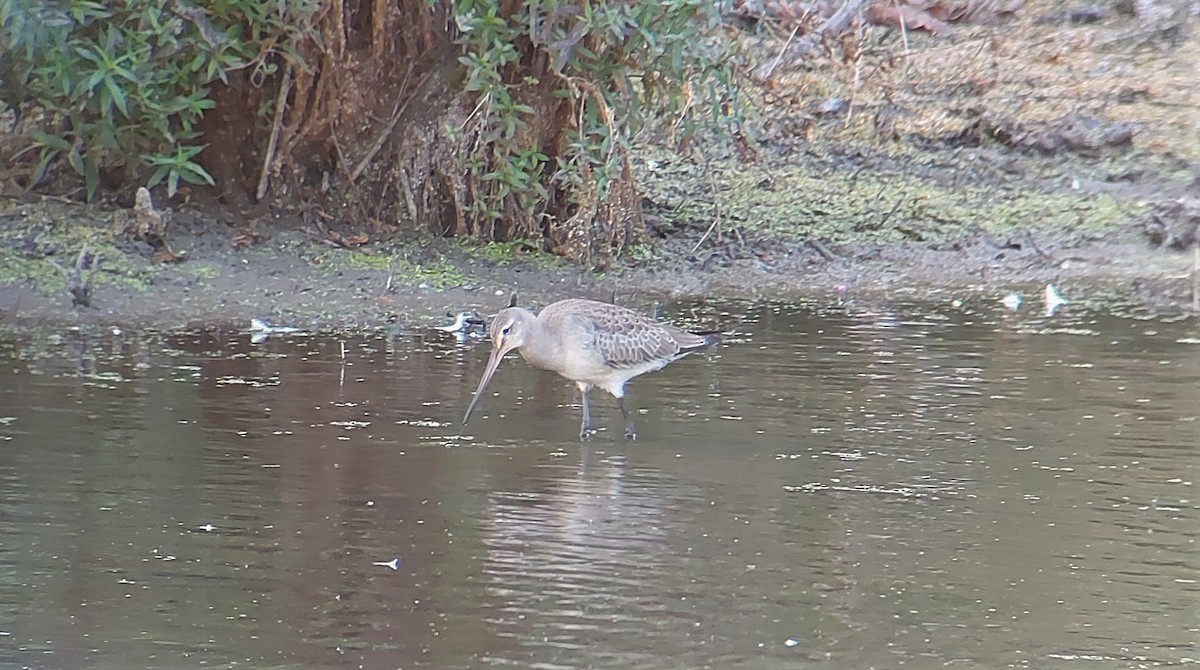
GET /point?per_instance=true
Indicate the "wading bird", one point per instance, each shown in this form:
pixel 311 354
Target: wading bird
pixel 592 344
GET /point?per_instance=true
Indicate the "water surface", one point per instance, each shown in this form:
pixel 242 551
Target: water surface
pixel 908 485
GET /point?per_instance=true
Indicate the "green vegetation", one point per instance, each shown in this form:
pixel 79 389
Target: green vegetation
pixel 58 231
pixel 508 123
pixel 202 270
pixel 642 253
pixel 437 273
pixel 361 261
pixel 25 251
pixel 516 252
pixel 535 103
pixel 882 206
pixel 617 65
pixel 121 87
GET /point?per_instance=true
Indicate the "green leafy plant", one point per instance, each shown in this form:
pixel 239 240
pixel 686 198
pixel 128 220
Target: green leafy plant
pixel 615 65
pixel 122 86
pixel 177 166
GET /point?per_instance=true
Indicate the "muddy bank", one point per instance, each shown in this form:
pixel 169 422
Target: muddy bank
pixel 993 161
pixel 826 226
pixel 284 273
pixel 294 277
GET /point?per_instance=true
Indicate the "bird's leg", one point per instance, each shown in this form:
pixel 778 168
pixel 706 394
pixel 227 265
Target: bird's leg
pixel 630 434
pixel 585 427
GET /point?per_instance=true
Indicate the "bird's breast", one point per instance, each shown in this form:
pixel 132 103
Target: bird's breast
pixel 539 358
pixel 584 366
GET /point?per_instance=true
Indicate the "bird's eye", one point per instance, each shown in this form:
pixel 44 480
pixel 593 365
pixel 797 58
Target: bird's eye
pixel 504 330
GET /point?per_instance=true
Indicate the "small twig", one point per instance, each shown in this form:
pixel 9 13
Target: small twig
pixel 991 241
pixel 704 236
pixel 679 118
pixel 577 85
pixel 717 214
pixel 779 56
pixel 478 106
pixel 1036 248
pixel 712 186
pixel 832 26
pixel 908 67
pixel 903 29
pixel 79 287
pixel 888 215
pixel 397 112
pixel 737 230
pixel 56 198
pixel 389 286
pixel 342 372
pixel 285 87
pixel 1196 277
pixel 823 250
pixel 854 89
pixel 87 284
pixel 343 159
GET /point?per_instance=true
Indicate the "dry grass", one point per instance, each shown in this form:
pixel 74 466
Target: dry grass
pixel 917 85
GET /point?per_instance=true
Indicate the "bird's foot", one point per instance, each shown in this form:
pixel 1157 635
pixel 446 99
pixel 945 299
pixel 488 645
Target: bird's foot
pixel 585 434
pixel 630 433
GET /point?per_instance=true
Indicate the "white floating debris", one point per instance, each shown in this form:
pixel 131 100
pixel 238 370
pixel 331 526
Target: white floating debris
pixel 260 326
pixel 791 642
pixel 421 423
pixel 463 322
pixel 246 381
pixel 816 487
pixel 208 528
pixel 393 564
pixel 260 330
pixel 1012 301
pixel 1053 300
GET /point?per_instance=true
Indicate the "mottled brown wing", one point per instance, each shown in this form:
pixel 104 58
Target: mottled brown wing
pixel 626 339
pixel 621 337
pixel 637 345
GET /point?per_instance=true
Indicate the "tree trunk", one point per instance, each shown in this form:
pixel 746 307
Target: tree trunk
pixel 376 125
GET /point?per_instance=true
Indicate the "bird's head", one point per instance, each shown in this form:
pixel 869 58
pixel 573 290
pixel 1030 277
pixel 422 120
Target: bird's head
pixel 509 329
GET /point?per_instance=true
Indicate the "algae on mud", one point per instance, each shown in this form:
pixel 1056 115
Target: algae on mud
pixel 887 194
pixel 861 207
pixel 294 279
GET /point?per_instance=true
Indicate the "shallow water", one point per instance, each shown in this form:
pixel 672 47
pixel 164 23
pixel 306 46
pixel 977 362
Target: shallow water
pixel 911 485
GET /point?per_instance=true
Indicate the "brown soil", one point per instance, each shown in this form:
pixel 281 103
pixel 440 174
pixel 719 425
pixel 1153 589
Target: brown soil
pixel 970 164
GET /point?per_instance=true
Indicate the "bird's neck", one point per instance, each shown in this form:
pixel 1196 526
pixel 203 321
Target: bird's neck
pixel 540 349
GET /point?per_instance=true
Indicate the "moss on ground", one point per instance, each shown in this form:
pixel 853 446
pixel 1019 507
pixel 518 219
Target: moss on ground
pixel 362 261
pixel 432 271
pixel 515 253
pixel 48 231
pixel 879 205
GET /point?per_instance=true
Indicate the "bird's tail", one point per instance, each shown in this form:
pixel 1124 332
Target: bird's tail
pixel 710 337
